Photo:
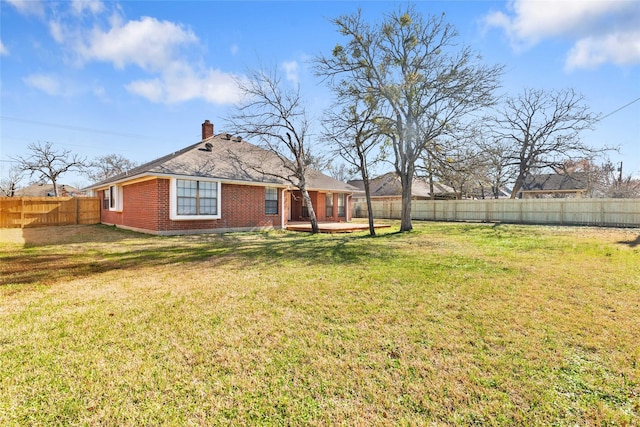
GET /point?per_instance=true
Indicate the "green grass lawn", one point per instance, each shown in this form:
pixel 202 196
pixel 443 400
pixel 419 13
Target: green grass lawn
pixel 452 324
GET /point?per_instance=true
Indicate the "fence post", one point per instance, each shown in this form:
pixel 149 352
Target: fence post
pixel 21 212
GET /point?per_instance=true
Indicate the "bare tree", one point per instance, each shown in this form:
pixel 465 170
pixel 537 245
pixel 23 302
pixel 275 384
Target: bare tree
pixel 498 172
pixel 351 128
pixel 613 183
pixel 274 115
pixel 340 171
pixel 48 164
pixel 494 155
pixel 542 130
pixel 416 69
pixel 462 168
pixel 108 166
pixel 10 183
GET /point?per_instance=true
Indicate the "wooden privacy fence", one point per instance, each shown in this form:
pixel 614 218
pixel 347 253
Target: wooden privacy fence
pixel 23 212
pixel 599 212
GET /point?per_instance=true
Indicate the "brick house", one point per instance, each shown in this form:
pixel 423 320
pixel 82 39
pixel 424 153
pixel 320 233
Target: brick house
pixel 219 184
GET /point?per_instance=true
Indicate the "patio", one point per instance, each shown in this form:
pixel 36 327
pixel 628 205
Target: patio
pixel 333 227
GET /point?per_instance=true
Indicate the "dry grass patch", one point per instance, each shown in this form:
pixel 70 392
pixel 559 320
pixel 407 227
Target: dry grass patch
pixel 450 324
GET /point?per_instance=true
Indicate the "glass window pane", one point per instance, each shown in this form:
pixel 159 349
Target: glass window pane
pixel 208 206
pixel 208 189
pixel 196 197
pixel 271 207
pixel 271 193
pixel 271 201
pixel 187 188
pixel 186 206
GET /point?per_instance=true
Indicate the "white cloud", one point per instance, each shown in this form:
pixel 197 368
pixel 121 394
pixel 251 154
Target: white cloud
pixel 56 29
pixel 602 30
pixel 3 49
pixel 153 90
pixel 590 52
pixel 234 49
pixel 57 84
pixel 46 83
pixel 147 43
pixel 156 47
pixel 291 71
pixel 163 50
pixel 28 7
pixel 180 83
pixel 94 7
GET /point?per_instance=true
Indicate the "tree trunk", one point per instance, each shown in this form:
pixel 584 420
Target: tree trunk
pixel 312 213
pixel 432 194
pixel 517 185
pixel 405 218
pixel 364 172
pixel 367 195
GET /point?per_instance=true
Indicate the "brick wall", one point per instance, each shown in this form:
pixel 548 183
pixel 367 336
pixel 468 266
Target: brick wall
pixel 140 204
pixel 319 201
pixel 146 206
pixel 140 207
pixel 107 216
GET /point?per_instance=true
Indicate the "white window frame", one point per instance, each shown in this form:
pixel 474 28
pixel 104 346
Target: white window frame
pixel 342 198
pixel 328 204
pixel 107 199
pixel 266 192
pixel 115 197
pixel 173 201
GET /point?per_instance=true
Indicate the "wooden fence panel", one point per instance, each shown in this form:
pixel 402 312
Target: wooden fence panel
pixel 88 210
pixel 599 212
pixel 10 212
pixel 23 212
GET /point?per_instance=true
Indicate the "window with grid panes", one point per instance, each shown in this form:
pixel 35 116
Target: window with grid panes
pixel 271 201
pixel 196 197
pixel 341 205
pixel 329 205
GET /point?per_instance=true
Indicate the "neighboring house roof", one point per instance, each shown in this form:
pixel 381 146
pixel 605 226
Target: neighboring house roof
pixel 487 192
pixel 228 159
pixel 558 183
pixel 389 185
pixel 46 190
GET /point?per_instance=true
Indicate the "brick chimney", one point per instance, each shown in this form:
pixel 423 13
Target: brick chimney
pixel 207 129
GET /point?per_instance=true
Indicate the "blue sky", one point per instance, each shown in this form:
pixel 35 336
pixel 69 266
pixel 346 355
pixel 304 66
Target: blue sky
pixel 138 78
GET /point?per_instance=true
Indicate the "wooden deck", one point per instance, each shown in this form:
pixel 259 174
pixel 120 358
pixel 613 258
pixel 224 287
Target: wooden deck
pixel 333 227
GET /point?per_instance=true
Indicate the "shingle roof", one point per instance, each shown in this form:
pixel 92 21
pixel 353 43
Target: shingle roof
pixel 389 185
pixel 556 182
pixel 44 190
pixel 228 160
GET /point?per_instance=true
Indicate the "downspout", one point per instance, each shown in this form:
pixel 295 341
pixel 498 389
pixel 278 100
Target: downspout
pixel 347 208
